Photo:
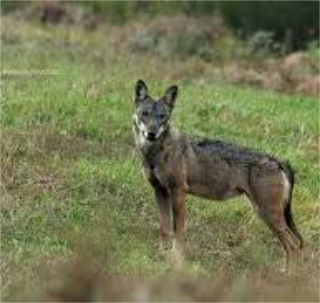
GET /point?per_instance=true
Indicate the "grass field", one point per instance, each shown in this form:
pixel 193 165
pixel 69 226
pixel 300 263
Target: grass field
pixel 71 180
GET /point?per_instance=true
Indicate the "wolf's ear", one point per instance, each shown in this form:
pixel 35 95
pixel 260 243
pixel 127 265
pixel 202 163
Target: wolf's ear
pixel 141 91
pixel 170 96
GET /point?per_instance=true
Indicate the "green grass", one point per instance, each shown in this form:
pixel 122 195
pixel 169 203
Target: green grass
pixel 70 173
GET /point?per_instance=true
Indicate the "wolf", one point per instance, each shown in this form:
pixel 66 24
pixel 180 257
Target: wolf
pixel 177 164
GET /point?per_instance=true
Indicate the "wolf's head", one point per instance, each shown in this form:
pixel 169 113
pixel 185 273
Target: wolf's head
pixel 152 116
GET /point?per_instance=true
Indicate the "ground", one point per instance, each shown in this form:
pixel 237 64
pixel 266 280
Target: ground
pixel 72 182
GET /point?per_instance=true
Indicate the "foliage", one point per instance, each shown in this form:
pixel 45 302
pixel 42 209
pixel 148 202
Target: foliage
pixel 191 8
pixel 120 11
pixel 7 6
pixel 114 11
pixel 172 37
pixel 292 22
pixel 124 10
pixel 262 42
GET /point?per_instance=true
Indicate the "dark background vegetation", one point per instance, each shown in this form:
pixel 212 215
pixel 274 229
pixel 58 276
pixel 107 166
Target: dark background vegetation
pixel 269 44
pixel 294 23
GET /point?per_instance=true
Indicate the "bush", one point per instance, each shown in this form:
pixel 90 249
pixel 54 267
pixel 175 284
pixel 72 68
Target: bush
pixel 7 6
pixel 262 42
pixel 121 11
pixel 191 7
pixel 167 36
pixel 293 23
pixel 114 11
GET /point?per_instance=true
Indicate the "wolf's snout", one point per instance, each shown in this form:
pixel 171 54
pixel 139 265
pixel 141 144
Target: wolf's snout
pixel 151 136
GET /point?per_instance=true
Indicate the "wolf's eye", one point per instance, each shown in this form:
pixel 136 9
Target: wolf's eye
pixel 145 114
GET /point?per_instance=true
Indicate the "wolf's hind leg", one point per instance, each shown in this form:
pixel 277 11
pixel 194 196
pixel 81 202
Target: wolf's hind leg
pixel 270 203
pixel 287 238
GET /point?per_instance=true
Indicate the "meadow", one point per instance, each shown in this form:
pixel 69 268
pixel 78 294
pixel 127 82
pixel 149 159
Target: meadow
pixel 72 184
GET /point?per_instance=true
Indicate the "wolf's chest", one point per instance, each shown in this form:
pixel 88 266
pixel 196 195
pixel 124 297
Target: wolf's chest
pixel 160 173
pixel 167 173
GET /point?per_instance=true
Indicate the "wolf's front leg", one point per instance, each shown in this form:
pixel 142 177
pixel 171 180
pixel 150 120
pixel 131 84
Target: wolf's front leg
pixel 165 211
pixel 179 218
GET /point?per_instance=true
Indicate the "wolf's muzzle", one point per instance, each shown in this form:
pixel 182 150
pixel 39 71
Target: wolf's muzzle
pixel 151 136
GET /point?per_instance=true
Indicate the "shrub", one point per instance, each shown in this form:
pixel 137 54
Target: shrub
pixel 121 11
pixel 113 11
pixel 7 6
pixel 179 36
pixel 191 7
pixel 292 22
pixel 262 42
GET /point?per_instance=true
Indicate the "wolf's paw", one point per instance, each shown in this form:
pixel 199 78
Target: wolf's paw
pixel 177 255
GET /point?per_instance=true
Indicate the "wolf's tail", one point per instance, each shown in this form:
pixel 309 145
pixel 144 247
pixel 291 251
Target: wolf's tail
pixel 288 170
